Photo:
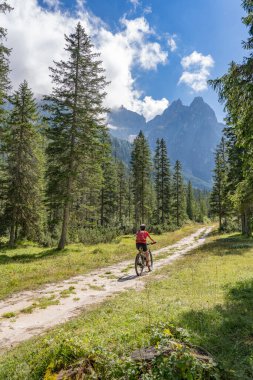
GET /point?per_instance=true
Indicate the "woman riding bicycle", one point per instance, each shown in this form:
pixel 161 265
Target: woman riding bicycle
pixel 141 242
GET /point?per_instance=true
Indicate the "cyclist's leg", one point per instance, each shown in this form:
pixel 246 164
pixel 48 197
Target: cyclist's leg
pixel 147 257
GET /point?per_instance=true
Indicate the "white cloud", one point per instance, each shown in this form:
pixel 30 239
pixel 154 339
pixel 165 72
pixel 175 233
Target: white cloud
pixel 196 70
pixel 131 138
pixel 136 30
pixel 147 10
pixel 112 127
pixel 37 38
pixel 52 3
pixel 151 55
pixel 150 107
pixel 135 3
pixel 172 43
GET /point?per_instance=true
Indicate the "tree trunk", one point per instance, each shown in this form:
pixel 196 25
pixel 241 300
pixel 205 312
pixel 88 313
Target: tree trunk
pixel 65 222
pixel 12 235
pixel 248 223
pixel 243 223
pixel 220 222
pixel 102 208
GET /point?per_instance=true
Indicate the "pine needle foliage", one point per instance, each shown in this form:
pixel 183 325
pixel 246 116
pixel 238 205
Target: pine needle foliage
pixel 141 167
pixel 178 195
pixel 22 146
pixel 76 122
pixel 162 183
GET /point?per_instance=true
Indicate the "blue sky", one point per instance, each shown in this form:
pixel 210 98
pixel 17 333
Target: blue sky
pixel 154 51
pixel 207 26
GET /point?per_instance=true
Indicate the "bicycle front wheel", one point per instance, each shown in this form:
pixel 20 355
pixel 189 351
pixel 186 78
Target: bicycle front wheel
pixel 151 260
pixel 139 264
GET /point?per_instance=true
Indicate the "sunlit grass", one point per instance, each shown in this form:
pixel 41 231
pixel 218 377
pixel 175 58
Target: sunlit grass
pixel 29 266
pixel 209 292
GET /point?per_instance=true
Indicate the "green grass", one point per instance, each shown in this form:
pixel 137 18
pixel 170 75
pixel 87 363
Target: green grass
pixel 10 314
pixel 41 303
pixel 209 292
pixel 29 266
pixel 96 287
pixel 67 292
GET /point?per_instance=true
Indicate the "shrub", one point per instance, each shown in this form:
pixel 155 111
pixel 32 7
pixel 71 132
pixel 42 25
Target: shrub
pixel 98 235
pixel 172 358
pixel 159 229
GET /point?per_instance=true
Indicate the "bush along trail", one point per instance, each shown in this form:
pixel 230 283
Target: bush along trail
pixel 29 313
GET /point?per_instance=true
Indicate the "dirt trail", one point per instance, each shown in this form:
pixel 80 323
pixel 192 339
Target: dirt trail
pixel 80 291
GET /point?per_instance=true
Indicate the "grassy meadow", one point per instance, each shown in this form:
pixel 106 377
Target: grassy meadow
pixel 209 293
pixel 28 266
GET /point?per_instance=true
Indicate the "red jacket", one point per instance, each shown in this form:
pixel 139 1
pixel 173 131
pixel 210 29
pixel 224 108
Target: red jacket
pixel 141 236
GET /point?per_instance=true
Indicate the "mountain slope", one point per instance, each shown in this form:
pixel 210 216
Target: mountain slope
pixel 191 133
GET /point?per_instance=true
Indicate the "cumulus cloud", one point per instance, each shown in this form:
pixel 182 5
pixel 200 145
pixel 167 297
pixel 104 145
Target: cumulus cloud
pixel 172 43
pixel 135 3
pixel 196 70
pixel 37 38
pixel 150 107
pixel 147 10
pixel 151 55
pixel 52 3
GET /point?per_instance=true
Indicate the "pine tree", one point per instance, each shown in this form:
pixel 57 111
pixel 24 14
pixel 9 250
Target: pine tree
pixel 4 63
pixel 236 92
pixel 122 193
pixel 76 121
pixel 22 147
pixel 157 175
pixel 109 194
pixel 4 89
pixel 178 196
pixel 162 182
pixel 219 200
pixel 190 201
pixel 141 171
pixel 201 205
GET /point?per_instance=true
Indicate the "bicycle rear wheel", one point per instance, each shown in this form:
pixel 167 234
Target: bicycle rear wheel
pixel 151 260
pixel 139 264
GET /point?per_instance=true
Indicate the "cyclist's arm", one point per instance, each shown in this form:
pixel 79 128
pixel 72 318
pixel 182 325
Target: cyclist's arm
pixel 151 238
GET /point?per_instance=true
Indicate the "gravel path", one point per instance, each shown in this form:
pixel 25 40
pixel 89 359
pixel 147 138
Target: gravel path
pixel 79 292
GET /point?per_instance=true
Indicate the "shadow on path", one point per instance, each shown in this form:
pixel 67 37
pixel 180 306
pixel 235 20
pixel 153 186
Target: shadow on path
pixel 127 278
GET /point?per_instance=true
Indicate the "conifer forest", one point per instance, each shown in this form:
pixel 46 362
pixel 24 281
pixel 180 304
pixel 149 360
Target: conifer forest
pixel 126 213
pixel 59 179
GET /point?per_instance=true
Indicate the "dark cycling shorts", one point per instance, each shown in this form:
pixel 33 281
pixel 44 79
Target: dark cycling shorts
pixel 143 246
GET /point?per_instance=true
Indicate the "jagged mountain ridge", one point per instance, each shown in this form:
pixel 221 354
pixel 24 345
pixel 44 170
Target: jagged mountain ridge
pixel 191 133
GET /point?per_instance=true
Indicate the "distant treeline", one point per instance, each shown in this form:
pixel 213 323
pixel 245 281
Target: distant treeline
pixel 60 180
pixel 232 194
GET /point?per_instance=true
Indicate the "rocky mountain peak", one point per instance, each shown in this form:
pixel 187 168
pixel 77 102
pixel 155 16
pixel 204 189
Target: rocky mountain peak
pixel 191 134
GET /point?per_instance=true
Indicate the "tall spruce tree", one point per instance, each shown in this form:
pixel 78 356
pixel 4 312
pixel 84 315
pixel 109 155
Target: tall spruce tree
pixel 178 196
pixel 109 194
pixel 236 92
pixel 76 121
pixel 201 205
pixel 4 89
pixel 190 201
pixel 219 198
pixel 142 187
pixel 162 182
pixel 22 147
pixel 122 193
pixel 4 63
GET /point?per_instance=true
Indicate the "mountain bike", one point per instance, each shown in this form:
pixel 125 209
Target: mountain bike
pixel 140 260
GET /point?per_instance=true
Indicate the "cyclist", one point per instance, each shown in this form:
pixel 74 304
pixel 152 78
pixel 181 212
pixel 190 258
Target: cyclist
pixel 141 242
